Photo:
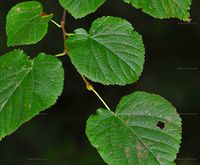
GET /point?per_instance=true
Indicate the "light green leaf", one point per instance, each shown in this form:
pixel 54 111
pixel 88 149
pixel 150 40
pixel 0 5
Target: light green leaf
pixel 27 87
pixel 112 52
pixel 26 23
pixel 164 8
pixel 132 136
pixel 81 8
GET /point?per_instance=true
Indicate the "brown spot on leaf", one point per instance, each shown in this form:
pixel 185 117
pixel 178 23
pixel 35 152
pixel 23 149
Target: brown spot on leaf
pixel 142 152
pixel 127 151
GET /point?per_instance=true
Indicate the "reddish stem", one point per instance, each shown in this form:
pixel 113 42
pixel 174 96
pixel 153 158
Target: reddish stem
pixel 62 23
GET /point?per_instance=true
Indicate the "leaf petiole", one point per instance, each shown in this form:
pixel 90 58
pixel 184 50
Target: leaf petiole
pixel 58 25
pixel 69 34
pixel 91 88
pixel 60 54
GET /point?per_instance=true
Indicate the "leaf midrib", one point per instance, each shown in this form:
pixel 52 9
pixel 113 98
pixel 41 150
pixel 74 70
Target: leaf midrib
pixel 136 136
pixel 16 87
pixel 114 54
pixel 23 25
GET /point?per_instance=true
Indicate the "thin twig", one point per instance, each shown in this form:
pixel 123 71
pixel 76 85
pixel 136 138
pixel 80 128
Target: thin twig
pixel 88 85
pixel 62 24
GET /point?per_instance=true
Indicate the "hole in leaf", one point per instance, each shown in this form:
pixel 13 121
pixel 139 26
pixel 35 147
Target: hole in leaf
pixel 160 124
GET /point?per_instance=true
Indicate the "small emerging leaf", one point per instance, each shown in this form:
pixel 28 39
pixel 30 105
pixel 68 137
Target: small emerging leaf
pixel 130 136
pixel 164 8
pixel 26 23
pixel 111 53
pixel 81 8
pixel 27 87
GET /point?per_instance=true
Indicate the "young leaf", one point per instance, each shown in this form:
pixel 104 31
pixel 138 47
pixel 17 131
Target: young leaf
pixel 164 9
pixel 81 8
pixel 112 52
pixel 131 135
pixel 26 23
pixel 27 87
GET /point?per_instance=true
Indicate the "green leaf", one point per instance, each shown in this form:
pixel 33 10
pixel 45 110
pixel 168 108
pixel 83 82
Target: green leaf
pixel 112 52
pixel 27 87
pixel 132 135
pixel 81 8
pixel 164 8
pixel 26 23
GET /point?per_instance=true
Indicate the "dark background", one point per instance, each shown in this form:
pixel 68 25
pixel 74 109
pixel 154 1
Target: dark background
pixel 172 70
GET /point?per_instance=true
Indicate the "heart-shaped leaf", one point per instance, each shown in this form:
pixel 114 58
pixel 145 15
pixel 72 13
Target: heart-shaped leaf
pixel 145 129
pixel 112 52
pixel 27 87
pixel 26 23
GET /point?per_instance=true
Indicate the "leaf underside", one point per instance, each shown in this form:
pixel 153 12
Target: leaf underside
pixel 156 8
pixel 111 53
pixel 164 8
pixel 26 24
pixel 131 135
pixel 81 8
pixel 27 87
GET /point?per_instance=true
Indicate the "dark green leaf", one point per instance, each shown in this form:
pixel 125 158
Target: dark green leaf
pixel 112 52
pixel 164 8
pixel 132 136
pixel 81 8
pixel 26 23
pixel 27 87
